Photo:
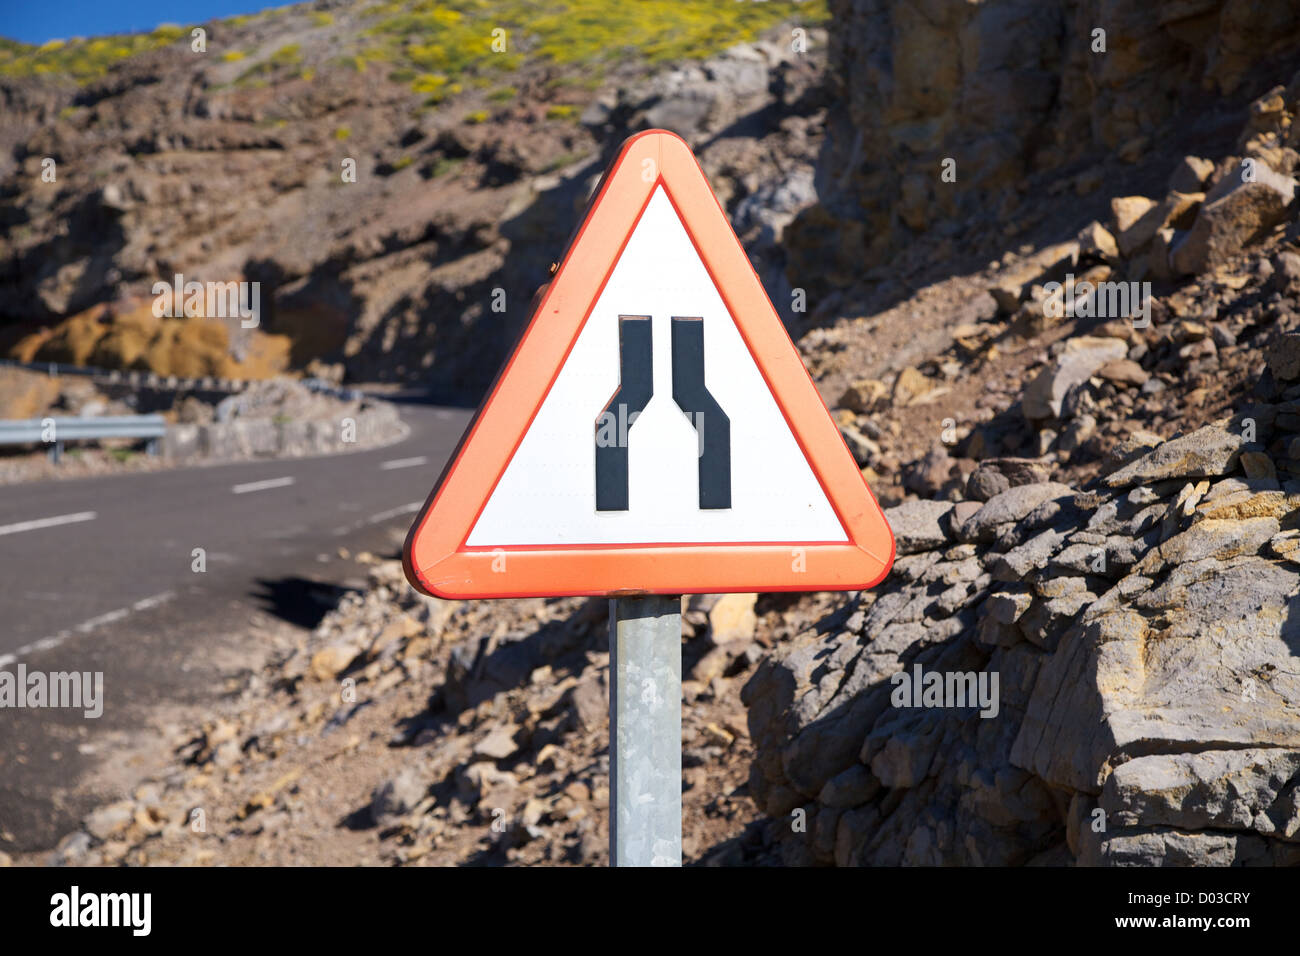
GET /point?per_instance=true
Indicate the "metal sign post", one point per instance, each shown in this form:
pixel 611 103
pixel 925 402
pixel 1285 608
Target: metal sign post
pixel 645 731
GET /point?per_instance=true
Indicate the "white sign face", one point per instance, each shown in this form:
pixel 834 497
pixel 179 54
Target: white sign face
pixel 759 485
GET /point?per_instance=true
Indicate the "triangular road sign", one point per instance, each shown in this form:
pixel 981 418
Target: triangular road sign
pixel 655 430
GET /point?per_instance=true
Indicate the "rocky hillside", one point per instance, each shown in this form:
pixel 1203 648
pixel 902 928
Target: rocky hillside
pixel 397 176
pixel 1097 507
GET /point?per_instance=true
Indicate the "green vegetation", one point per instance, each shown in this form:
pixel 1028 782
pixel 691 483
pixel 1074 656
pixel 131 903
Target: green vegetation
pixel 287 55
pixel 475 117
pixel 437 46
pixel 80 58
pixel 360 61
pixel 559 162
pixel 561 111
pixel 342 133
pixel 429 83
pixel 453 35
pixel 440 167
pixel 591 30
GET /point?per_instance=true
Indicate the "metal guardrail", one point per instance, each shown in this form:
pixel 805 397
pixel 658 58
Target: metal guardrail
pixel 152 380
pixel 54 431
pixel 35 430
pixel 133 378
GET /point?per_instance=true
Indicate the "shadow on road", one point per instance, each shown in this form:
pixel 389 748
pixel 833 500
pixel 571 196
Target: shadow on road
pixel 299 601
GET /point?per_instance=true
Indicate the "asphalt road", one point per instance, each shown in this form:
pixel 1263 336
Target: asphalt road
pixel 75 555
pixel 98 575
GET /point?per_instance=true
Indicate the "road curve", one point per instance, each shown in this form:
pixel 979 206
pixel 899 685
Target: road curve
pixel 99 575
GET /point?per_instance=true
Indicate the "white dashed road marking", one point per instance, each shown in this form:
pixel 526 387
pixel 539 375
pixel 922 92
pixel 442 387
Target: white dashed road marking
pixel 85 627
pixel 403 463
pixel 48 522
pixel 261 485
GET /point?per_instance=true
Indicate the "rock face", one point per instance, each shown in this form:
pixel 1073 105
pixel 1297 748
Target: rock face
pixel 1002 87
pixel 1127 657
pixel 25 394
pixel 1086 652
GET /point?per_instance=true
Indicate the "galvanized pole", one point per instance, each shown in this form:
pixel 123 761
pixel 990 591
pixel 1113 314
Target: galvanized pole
pixel 645 731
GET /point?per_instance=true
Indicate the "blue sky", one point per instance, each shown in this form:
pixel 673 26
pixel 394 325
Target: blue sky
pixel 35 21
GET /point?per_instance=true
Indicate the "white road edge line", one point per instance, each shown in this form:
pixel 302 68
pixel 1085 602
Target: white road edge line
pixel 48 522
pixel 85 627
pixel 403 463
pixel 260 485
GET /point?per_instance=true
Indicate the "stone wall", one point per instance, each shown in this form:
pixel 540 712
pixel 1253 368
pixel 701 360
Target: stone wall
pixel 267 438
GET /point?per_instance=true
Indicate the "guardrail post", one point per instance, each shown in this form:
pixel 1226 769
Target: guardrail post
pixel 56 452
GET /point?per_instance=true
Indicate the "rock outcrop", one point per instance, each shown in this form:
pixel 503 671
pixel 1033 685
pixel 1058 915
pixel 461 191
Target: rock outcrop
pixel 993 91
pixel 1139 640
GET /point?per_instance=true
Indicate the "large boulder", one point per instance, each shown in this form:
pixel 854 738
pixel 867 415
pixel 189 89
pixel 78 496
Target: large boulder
pixel 1235 213
pixel 919 525
pixel 1081 359
pixel 1206 452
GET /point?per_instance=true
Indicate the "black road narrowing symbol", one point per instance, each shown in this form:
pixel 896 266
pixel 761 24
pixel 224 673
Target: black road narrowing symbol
pixel 711 422
pixel 636 385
